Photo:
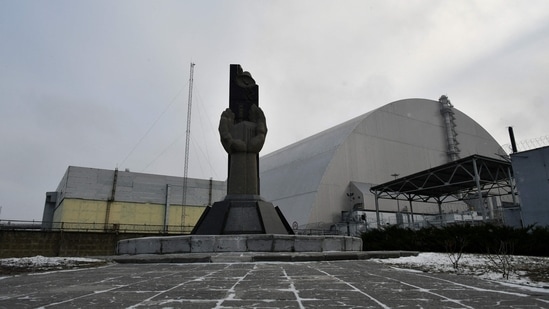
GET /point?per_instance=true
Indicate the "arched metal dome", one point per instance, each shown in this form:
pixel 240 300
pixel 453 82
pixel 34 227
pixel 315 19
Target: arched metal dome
pixel 309 179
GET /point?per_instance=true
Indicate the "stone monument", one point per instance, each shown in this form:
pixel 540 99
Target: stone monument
pixel 242 129
pixel 243 221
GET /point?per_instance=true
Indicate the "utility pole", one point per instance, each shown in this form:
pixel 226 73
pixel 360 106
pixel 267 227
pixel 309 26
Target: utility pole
pixel 187 142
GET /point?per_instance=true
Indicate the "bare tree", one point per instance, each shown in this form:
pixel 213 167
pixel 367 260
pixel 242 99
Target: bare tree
pixel 502 260
pixel 454 250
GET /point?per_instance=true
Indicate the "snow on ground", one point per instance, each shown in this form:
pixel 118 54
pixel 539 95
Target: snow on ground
pixel 11 266
pixel 522 270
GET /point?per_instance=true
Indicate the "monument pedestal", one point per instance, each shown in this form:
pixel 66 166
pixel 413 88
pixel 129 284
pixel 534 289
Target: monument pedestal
pixel 242 214
pixel 185 244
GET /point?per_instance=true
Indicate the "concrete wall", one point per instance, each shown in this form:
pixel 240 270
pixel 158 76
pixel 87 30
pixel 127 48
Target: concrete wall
pixel 97 184
pixel 111 197
pixel 531 170
pixel 78 214
pixel 15 243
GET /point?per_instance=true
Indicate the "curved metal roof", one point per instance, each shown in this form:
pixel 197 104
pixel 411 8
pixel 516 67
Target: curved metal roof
pixel 455 180
pixel 309 179
pixel 295 171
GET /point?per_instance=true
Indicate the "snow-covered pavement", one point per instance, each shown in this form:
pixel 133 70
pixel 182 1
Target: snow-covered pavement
pixel 345 284
pixel 524 271
pixel 41 263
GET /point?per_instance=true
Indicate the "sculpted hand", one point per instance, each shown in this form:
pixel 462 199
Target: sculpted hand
pixel 257 116
pixel 251 145
pixel 225 127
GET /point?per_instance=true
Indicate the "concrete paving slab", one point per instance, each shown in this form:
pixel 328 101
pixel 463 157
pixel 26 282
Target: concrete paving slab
pixel 341 284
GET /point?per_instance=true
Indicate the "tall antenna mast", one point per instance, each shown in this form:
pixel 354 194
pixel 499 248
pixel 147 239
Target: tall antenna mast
pixel 187 140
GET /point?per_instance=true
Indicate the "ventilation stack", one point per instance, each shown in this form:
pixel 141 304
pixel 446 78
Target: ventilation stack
pixel 447 112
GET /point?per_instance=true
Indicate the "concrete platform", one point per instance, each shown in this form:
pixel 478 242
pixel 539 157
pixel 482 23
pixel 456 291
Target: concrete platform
pixel 246 257
pixel 238 243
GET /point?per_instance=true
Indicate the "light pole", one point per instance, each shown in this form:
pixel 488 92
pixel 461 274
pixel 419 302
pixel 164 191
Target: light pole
pixel 398 204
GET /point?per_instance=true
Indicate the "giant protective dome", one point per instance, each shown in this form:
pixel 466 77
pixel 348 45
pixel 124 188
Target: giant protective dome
pixel 309 179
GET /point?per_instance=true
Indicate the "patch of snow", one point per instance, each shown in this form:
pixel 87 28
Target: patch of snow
pixel 524 287
pixel 43 264
pixel 42 261
pixel 474 264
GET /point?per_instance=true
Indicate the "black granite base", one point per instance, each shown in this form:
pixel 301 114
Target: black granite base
pixel 242 214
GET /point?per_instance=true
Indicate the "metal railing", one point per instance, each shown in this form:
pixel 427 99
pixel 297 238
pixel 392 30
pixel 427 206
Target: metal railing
pixel 93 227
pixel 529 144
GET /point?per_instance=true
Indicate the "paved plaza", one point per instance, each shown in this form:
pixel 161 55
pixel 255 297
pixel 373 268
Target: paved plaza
pixel 343 284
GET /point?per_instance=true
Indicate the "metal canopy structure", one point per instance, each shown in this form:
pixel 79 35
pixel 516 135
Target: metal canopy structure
pixel 474 176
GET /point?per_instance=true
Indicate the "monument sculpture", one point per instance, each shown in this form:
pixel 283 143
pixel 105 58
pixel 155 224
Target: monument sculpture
pixel 243 221
pixel 242 129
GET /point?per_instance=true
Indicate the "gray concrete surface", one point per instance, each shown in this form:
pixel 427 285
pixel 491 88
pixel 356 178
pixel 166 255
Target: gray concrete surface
pixel 343 284
pixel 233 257
pixel 238 243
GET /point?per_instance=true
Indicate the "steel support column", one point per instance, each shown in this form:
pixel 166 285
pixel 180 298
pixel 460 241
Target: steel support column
pixel 377 209
pixel 477 181
pixel 412 213
pixel 439 202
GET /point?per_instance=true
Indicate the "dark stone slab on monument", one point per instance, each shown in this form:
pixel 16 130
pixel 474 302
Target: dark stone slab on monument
pixel 242 214
pixel 243 92
pixel 212 219
pixel 271 218
pixel 243 218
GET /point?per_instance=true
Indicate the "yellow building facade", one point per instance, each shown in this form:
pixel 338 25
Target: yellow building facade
pixel 104 200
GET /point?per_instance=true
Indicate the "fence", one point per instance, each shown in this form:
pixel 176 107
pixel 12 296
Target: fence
pixel 94 227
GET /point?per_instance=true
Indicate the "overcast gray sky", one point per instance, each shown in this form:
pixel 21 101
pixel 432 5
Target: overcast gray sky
pixel 105 83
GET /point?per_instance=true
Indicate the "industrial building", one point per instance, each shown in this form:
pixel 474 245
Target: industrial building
pixel 326 179
pixel 531 170
pixel 90 199
pixel 383 167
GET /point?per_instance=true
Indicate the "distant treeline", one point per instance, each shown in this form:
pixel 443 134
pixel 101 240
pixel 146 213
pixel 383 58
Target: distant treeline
pixel 533 241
